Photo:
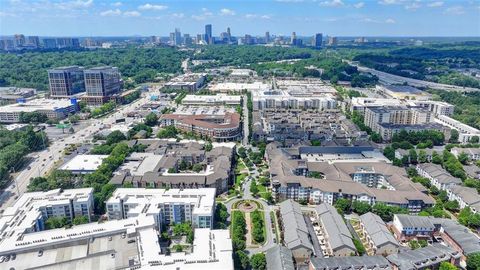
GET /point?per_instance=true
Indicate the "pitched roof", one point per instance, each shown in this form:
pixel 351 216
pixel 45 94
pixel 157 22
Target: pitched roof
pixel 338 234
pixel 377 230
pixel 295 228
pixel 279 258
pixel 353 262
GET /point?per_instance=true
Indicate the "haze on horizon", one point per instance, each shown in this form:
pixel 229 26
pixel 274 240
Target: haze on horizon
pixel 280 17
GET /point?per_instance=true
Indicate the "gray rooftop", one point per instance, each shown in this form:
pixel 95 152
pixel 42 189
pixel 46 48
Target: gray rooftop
pixel 338 234
pixel 423 258
pixel 279 258
pixel 295 229
pixel 377 230
pixel 354 262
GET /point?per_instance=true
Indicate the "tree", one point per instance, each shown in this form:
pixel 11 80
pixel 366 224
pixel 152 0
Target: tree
pixel 422 156
pixel 413 156
pixel 453 136
pixel 80 220
pixel 258 261
pixel 375 137
pixel 242 260
pixel 151 119
pixel 197 167
pixel 474 139
pixel 436 158
pixel 452 206
pixel 361 207
pixel 74 119
pixel 463 158
pixel 115 137
pixel 343 205
pixel 389 152
pixel 167 132
pixel 254 188
pixel 56 222
pixel 473 261
pixel 443 196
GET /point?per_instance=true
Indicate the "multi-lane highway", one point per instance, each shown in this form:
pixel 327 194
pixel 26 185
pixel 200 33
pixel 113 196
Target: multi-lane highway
pixel 388 78
pixel 44 161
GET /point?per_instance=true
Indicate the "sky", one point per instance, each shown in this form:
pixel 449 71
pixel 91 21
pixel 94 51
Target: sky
pixel 279 17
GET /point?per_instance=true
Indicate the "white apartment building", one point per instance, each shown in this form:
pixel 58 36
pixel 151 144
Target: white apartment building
pixel 466 132
pixel 359 104
pixel 166 206
pixel 211 100
pixel 403 115
pixel 438 176
pixel 273 99
pixel 465 196
pixel 32 209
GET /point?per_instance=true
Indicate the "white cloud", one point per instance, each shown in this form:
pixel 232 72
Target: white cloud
pixel 413 6
pixel 6 14
pixel 359 5
pixel 74 4
pixel 435 4
pixel 227 12
pixel 117 4
pixel 390 20
pixel 388 2
pixel 257 16
pixel 152 7
pixel 455 10
pixel 203 16
pixel 111 12
pixel 289 1
pixel 132 14
pixel 332 3
pixel 369 20
pixel 178 15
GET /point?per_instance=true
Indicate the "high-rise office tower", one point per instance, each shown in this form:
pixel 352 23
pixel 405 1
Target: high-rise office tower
pixel 172 38
pixel 332 41
pixel 199 38
pixel 187 40
pixel 19 40
pixel 101 83
pixel 267 37
pixel 293 39
pixel 33 41
pixel 317 40
pixel 208 34
pixel 177 37
pixel 65 81
pixel 229 34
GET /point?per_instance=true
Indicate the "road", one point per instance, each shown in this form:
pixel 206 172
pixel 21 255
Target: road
pixel 44 161
pixel 395 79
pixel 245 122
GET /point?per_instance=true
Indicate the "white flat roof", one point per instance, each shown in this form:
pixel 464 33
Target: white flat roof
pixel 84 163
pixel 202 198
pixel 211 98
pixel 239 86
pixel 37 105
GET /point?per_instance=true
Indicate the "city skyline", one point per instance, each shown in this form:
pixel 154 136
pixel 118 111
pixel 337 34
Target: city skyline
pixel 280 17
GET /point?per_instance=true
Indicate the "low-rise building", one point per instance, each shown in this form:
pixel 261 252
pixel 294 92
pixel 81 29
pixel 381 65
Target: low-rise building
pixel 379 239
pixel 284 99
pixel 52 108
pixel 83 164
pixel 466 132
pixel 335 238
pixel 438 176
pixel 353 262
pixel 167 206
pixel 212 100
pixel 429 257
pixel 472 153
pixel 218 127
pixel 465 196
pixel 295 232
pixel 279 258
pixel 407 227
pixel 190 82
pixel 388 130
pixel 11 95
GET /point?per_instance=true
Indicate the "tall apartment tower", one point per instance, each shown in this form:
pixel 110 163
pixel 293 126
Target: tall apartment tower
pixel 65 81
pixel 177 37
pixel 208 34
pixel 229 34
pixel 267 37
pixel 317 40
pixel 101 83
